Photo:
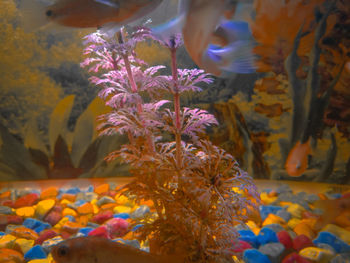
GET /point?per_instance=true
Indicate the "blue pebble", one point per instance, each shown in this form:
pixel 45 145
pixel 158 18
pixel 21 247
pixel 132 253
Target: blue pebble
pixel 267 235
pixel 2 233
pixel 70 218
pixel 85 230
pixel 36 252
pixel 265 210
pixel 73 190
pixel 90 188
pixel 35 224
pixel 255 256
pixel 122 215
pixel 246 232
pixel 137 227
pixel 336 195
pixel 248 236
pixel 328 238
pixel 80 202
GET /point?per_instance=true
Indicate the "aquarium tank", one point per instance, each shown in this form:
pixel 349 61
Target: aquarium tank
pixel 174 131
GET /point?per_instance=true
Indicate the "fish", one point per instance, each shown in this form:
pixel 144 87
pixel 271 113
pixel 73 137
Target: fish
pixel 297 160
pixel 214 43
pixel 332 209
pixel 101 250
pixel 102 14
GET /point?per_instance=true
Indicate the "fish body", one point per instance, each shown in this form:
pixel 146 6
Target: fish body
pixel 332 209
pixel 101 250
pixel 86 13
pixel 214 43
pixel 297 160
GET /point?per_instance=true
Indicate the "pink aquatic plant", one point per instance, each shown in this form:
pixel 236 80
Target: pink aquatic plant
pixel 198 190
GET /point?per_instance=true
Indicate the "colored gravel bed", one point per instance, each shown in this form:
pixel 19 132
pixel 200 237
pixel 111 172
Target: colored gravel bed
pixel 32 221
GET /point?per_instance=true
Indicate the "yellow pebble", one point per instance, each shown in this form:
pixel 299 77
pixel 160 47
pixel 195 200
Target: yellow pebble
pixel 267 199
pixel 273 219
pixel 49 259
pixel 338 231
pixel 121 199
pixel 61 222
pixel 121 209
pixel 256 230
pixel 295 210
pixel 25 244
pixel 251 224
pixel 6 241
pixel 93 201
pixel 96 209
pixel 317 254
pixel 43 207
pixel 68 212
pixel 26 211
pixel 65 202
pixel 285 203
pixel 293 222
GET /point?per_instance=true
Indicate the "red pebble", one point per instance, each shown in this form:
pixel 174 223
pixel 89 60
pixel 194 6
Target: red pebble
pixel 53 217
pixel 241 246
pixel 102 217
pixel 101 231
pixel 26 200
pixel 64 234
pixel 295 258
pixel 8 203
pixel 44 235
pixel 117 227
pixel 9 219
pixel 301 242
pixel 285 239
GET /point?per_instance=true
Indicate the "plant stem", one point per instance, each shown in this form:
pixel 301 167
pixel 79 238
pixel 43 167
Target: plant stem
pixel 176 108
pixel 134 89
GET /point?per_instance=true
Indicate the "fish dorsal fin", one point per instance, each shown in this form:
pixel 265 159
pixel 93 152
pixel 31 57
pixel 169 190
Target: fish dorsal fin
pixel 109 3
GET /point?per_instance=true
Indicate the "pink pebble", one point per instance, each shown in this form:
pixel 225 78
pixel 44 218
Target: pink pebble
pixel 26 200
pixel 101 231
pixel 241 246
pixel 102 217
pixel 44 235
pixel 285 239
pixel 117 227
pixel 301 242
pixel 295 258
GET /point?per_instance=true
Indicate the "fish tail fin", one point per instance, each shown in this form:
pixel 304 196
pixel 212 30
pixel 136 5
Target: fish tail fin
pixel 33 14
pixel 243 59
pixel 236 57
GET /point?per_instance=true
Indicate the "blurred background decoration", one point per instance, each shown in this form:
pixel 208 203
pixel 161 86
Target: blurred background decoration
pixel 301 90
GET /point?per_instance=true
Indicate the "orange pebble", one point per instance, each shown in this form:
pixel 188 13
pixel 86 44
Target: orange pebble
pixel 85 209
pixel 10 256
pixel 129 236
pixel 50 192
pixel 83 220
pixel 24 232
pixel 71 227
pixel 304 229
pixel 283 203
pixel 149 203
pixel 274 219
pixel 102 189
pixel 108 206
pixel 69 197
pixel 5 195
pixel 322 196
pixel 272 194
